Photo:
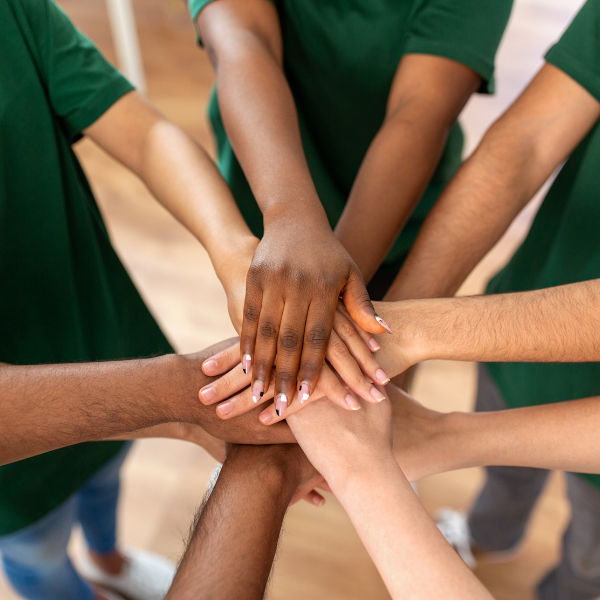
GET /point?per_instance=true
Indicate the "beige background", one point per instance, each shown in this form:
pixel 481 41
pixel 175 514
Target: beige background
pixel 320 555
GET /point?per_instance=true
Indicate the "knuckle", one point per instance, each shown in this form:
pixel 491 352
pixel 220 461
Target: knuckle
pixel 251 313
pixel 338 349
pixel 347 330
pixel 286 378
pixel 290 341
pixel 317 337
pixel 268 330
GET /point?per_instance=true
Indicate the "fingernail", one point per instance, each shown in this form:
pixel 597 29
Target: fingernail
pixel 377 395
pixel 382 377
pixel 225 408
pixel 265 417
pixel 281 404
pixel 374 345
pixel 258 391
pixel 304 392
pixel 247 363
pixel 382 322
pixel 210 366
pixel 208 393
pixel 318 501
pixel 352 402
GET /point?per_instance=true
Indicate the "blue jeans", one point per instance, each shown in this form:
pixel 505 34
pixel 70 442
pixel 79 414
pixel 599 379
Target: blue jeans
pixel 35 559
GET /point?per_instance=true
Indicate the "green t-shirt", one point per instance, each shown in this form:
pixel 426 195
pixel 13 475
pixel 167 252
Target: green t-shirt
pixel 340 57
pixel 563 245
pixel 65 297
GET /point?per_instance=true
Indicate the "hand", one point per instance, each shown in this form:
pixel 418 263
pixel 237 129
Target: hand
pixel 339 443
pixel 423 442
pixel 296 278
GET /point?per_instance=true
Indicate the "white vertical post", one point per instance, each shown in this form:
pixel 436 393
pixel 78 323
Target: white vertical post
pixel 122 22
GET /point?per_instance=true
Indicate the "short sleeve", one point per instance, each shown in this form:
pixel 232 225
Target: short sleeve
pixel 80 82
pixel 577 53
pixel 466 31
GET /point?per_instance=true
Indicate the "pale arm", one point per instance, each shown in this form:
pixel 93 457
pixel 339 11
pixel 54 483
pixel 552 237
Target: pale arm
pixel 427 95
pixel 516 156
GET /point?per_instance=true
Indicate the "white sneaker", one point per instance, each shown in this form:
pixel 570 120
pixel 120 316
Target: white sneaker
pixel 455 528
pixel 145 576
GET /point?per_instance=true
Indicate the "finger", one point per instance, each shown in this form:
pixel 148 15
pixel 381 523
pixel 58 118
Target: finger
pixel 312 497
pixel 363 356
pixel 319 322
pixel 349 371
pixel 222 361
pixel 229 384
pixel 266 344
pixel 306 491
pixel 358 304
pixel 242 403
pixel 365 336
pixel 252 310
pixel 329 386
pixel 289 351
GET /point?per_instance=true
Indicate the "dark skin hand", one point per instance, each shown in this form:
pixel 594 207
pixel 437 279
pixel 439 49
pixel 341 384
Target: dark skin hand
pixel 299 268
pixel 45 407
pixel 233 544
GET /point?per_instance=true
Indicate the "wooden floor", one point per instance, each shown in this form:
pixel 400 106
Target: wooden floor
pixel 320 556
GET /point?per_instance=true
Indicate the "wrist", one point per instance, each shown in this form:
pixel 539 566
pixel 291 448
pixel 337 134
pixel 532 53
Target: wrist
pixel 231 261
pixel 309 215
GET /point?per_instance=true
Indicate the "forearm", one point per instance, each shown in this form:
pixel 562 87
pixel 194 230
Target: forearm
pixel 411 555
pixel 392 178
pixel 45 407
pixel 259 113
pixel 557 324
pixel 233 546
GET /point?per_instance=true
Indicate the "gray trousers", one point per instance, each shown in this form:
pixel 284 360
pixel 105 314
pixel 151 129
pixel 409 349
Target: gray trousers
pixel 500 514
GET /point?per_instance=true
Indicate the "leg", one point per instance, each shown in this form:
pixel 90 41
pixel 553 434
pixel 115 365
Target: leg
pixel 35 559
pixel 577 577
pixel 97 512
pixel 498 518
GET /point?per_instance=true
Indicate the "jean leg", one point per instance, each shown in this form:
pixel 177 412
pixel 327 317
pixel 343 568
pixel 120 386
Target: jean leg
pixel 500 514
pixel 35 559
pixel 577 577
pixel 97 505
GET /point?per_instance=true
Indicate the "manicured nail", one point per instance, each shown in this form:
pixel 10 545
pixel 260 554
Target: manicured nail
pixel 377 395
pixel 382 322
pixel 265 417
pixel 258 391
pixel 374 345
pixel 352 402
pixel 281 404
pixel 208 393
pixel 247 363
pixel 210 366
pixel 382 378
pixel 304 392
pixel 225 408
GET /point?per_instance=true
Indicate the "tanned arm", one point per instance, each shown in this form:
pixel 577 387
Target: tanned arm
pixel 45 407
pixel 233 544
pixel 514 159
pixel 427 95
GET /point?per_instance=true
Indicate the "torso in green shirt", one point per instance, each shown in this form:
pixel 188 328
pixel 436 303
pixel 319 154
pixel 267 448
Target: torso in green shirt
pixel 340 57
pixel 563 245
pixel 65 297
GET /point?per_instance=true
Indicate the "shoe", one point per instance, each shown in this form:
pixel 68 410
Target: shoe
pixel 110 595
pixel 454 526
pixel 145 576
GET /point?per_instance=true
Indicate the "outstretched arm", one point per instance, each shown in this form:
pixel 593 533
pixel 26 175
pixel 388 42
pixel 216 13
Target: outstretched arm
pixel 353 452
pixel 427 95
pixel 516 156
pixel 300 268
pixel 233 544
pixel 45 407
pixel 562 436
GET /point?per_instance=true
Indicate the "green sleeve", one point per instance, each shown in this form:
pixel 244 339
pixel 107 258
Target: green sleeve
pixel 577 53
pixel 466 31
pixel 80 83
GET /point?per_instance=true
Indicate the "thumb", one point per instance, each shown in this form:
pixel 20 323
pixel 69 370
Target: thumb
pixel 358 304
